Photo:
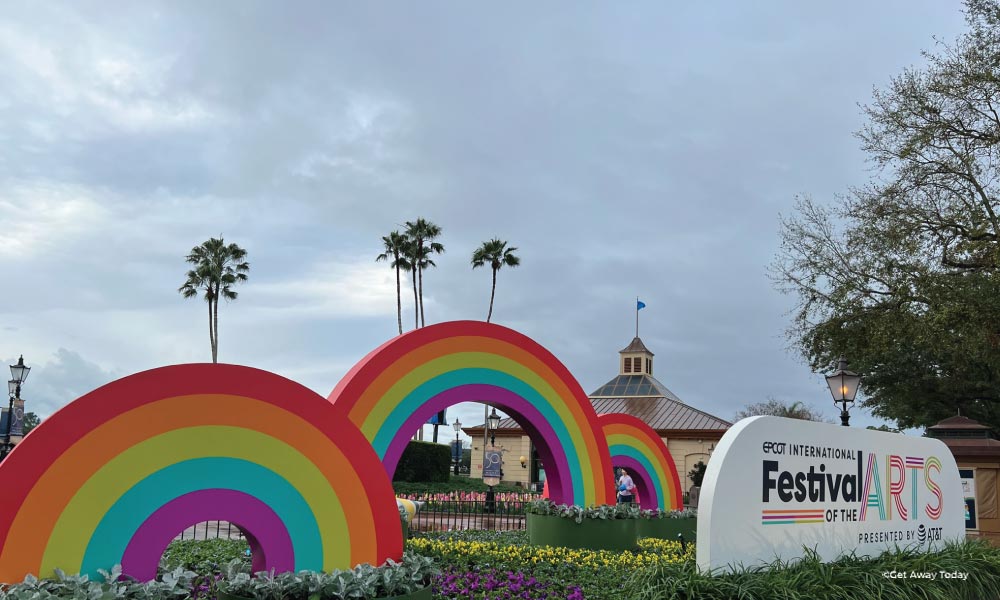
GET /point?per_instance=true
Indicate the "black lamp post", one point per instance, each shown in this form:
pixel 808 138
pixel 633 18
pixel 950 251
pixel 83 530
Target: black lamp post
pixel 18 374
pixel 492 422
pixel 844 387
pixel 458 444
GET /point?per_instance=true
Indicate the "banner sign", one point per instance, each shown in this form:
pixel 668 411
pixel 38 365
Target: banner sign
pixel 969 494
pixel 775 485
pixel 438 419
pixel 494 464
pixel 456 450
pixel 17 425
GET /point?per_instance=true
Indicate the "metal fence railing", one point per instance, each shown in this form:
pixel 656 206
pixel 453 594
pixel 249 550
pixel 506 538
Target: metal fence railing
pixel 465 514
pixel 210 530
pixel 438 515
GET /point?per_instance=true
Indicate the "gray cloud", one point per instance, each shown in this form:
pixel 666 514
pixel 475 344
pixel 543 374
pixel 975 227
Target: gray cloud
pixel 643 150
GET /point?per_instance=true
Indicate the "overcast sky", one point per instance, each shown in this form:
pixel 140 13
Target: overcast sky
pixel 640 149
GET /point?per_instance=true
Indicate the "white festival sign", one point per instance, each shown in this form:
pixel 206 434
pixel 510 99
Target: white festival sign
pixel 774 486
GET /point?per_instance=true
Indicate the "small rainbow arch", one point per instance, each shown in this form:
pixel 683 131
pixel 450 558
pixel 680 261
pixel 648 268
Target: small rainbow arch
pixel 115 475
pixel 401 384
pixel 636 446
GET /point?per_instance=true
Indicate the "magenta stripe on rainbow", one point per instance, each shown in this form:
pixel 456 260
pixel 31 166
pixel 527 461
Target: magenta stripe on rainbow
pixel 270 544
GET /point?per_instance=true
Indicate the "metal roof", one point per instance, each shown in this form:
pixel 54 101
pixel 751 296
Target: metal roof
pixel 636 346
pixel 634 386
pixel 662 414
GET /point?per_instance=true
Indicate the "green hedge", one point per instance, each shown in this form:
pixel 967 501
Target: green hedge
pixel 424 461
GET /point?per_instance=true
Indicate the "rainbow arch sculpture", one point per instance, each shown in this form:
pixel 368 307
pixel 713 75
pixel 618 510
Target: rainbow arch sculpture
pixel 402 383
pixel 114 476
pixel 636 446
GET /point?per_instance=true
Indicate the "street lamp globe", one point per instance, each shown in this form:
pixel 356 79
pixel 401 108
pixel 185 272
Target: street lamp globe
pixel 457 425
pixel 494 420
pixel 843 387
pixel 19 372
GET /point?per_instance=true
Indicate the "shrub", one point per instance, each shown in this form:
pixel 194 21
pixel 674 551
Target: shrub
pixel 203 556
pixel 697 474
pixel 579 513
pixel 423 461
pixel 848 578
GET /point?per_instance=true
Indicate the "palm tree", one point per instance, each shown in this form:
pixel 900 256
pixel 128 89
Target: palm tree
pixel 422 234
pixel 497 254
pixel 395 248
pixel 217 267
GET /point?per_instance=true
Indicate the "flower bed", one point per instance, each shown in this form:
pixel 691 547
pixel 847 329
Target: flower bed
pixel 599 574
pixel 490 584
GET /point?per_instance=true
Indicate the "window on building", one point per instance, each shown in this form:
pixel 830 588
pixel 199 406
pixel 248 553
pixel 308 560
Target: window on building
pixel 637 365
pixel 649 366
pixel 628 365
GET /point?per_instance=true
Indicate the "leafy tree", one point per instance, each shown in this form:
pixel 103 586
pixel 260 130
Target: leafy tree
pixel 697 474
pixel 396 249
pixel 422 234
pixel 776 408
pixel 902 275
pixel 217 267
pixel 496 254
pixel 30 421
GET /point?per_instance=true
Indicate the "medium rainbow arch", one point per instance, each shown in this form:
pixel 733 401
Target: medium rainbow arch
pixel 401 384
pixel 635 445
pixel 115 475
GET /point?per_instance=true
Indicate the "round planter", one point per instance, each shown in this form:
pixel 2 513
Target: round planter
pixel 421 594
pixel 592 534
pixel 667 529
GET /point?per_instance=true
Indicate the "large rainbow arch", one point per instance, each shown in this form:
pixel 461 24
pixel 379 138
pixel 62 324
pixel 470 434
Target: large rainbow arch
pixel 402 383
pixel 635 445
pixel 114 476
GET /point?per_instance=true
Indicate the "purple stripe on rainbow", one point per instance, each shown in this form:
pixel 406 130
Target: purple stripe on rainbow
pixel 269 541
pixel 528 417
pixel 647 491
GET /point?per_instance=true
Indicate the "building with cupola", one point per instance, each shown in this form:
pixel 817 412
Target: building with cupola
pixel 690 434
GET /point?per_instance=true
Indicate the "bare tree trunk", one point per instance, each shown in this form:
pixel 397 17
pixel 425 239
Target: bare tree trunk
pixel 399 301
pixel 420 277
pixel 416 303
pixel 493 292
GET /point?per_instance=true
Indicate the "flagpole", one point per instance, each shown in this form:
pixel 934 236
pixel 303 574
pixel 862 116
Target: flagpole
pixel 637 316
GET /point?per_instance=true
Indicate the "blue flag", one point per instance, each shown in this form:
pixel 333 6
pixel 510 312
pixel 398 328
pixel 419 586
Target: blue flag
pixel 639 305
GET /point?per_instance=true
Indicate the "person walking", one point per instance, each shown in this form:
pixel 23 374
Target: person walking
pixel 626 488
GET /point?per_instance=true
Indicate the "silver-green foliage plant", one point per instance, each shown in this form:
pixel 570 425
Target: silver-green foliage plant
pixel 175 584
pixel 579 513
pixel 687 513
pixel 364 581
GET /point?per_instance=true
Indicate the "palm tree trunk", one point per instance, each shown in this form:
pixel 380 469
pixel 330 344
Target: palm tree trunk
pixel 416 303
pixel 399 299
pixel 211 330
pixel 493 292
pixel 420 276
pixel 215 351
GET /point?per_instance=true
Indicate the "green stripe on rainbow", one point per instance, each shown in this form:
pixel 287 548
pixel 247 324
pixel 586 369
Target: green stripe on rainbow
pixel 401 384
